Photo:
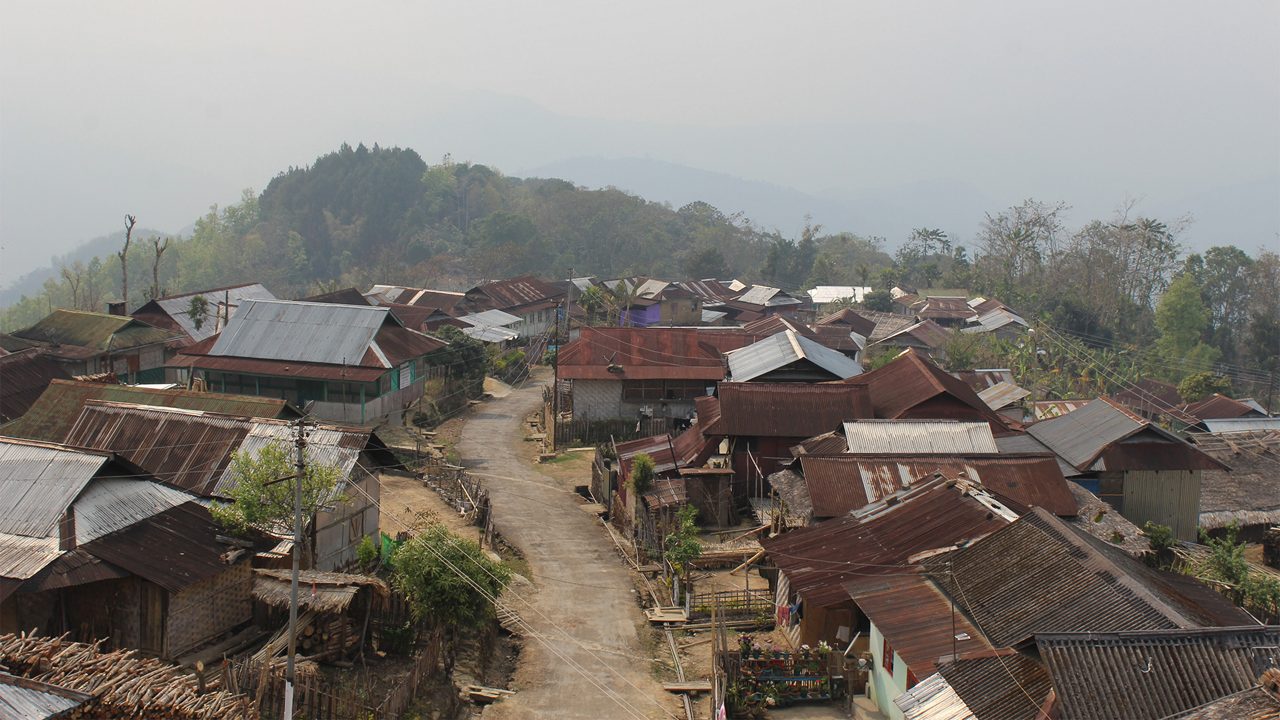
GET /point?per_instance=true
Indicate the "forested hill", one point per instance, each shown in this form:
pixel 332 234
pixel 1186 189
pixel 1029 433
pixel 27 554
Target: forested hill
pixel 361 215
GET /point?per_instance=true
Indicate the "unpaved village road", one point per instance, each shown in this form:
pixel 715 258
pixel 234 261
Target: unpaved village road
pixel 582 587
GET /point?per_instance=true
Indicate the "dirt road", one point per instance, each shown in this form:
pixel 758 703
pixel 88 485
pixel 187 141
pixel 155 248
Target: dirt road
pixel 582 589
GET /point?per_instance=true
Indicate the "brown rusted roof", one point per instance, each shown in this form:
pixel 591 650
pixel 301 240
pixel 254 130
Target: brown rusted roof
pixel 172 549
pixel 946 308
pixel 789 410
pixel 878 539
pixel 913 387
pixel 926 332
pixel 850 318
pixel 1041 575
pixel 24 375
pixel 831 443
pixel 1218 407
pixel 982 379
pixel 918 621
pixel 1154 674
pixel 709 289
pixel 650 353
pixel 840 483
pixel 1003 684
pixel 516 292
pixel 345 296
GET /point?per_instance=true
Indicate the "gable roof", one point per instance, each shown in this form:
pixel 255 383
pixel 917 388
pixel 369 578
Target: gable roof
pixel 1104 435
pixel 649 353
pixel 794 410
pixel 1003 684
pixel 417 297
pixel 927 333
pixel 709 289
pixel 918 621
pixel 878 539
pixel 1220 407
pixel 39 481
pixel 919 437
pixel 78 334
pixel 26 699
pixel 59 405
pixel 24 375
pixel 1154 674
pixel 1041 575
pixel 840 483
pixel 1249 491
pixel 1002 395
pixel 850 318
pixel 945 308
pixel 785 348
pixel 173 311
pixel 301 332
pixel 905 386
pixel 516 292
pixel 344 296
pixel 823 294
pixel 766 296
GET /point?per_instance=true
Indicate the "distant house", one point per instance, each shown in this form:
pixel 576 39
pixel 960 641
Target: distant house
pixel 89 343
pixel 836 336
pixel 1144 471
pixel 192 450
pixel 348 363
pixel 1221 407
pixel 659 302
pixel 451 303
pixel 91 546
pixel 23 376
pixel 950 312
pixel 56 409
pixel 342 296
pixel 824 294
pixel 852 319
pixel 767 300
pixel 789 356
pixel 1154 400
pixel 925 336
pixel 532 300
pixel 1246 489
pixel 644 372
pixel 491 326
pixel 1003 323
pixel 174 313
pixel 1006 398
pixel 913 387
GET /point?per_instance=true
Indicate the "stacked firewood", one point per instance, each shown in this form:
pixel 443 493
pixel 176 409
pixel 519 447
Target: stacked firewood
pixel 328 636
pixel 124 684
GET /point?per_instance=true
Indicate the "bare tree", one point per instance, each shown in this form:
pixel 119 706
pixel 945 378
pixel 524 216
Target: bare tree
pixel 160 247
pixel 74 275
pixel 129 222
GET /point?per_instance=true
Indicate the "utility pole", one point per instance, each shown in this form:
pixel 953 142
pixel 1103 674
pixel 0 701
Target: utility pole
pixel 300 468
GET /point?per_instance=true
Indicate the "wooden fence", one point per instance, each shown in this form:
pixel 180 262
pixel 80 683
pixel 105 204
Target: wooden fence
pixel 733 604
pixel 593 432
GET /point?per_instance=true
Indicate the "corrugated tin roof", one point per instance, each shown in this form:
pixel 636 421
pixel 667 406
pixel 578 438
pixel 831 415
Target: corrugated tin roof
pixel 1047 409
pixel 709 289
pixel 177 307
pixel 326 445
pixel 1106 435
pixel 878 539
pixel 25 699
pixel 926 332
pixel 918 621
pixel 933 699
pixel 918 437
pixel 1241 424
pixel 490 319
pixel 1005 685
pixel 92 332
pixel 1041 575
pixel 23 376
pixel 980 379
pixel 823 294
pixel 1220 407
pixel 1256 703
pixel 301 332
pixel 649 353
pixel 840 483
pixel 913 386
pixel 792 410
pixel 53 415
pixel 21 557
pixel 39 482
pixel 173 549
pixel 1152 675
pixel 850 318
pixel 111 504
pixel 490 334
pixel 787 347
pixel 515 292
pixel 1002 395
pixel 766 296
pixel 994 320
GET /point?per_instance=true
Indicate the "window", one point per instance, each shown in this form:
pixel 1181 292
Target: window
pixel 886 656
pixel 659 390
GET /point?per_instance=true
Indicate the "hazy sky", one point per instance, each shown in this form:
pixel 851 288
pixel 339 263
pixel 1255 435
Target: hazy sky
pixel 161 109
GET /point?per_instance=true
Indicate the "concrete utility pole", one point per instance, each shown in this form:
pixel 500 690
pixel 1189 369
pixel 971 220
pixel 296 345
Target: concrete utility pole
pixel 300 468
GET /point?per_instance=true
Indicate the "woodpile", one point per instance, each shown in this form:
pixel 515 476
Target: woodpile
pixel 125 684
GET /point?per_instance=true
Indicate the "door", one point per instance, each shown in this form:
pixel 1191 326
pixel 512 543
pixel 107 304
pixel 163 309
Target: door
pixel 151 603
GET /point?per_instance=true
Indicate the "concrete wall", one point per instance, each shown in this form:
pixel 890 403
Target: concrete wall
pixel 884 686
pixel 602 400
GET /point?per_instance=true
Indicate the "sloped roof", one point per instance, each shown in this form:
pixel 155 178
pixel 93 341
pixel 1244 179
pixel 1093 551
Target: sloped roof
pixel 490 319
pixel 709 289
pixel 792 410
pixel 980 379
pixel 1003 684
pixel 39 481
pixel 81 334
pixel 1104 435
pixel 1154 674
pixel 823 294
pixel 54 413
pixel 344 296
pixel 25 699
pixel 778 351
pixel 649 353
pixel 840 483
pixel 515 292
pixel 24 375
pixel 173 549
pixel 878 539
pixel 927 332
pixel 176 308
pixel 1219 407
pixel 946 308
pixel 1256 703
pixel 850 318
pixel 905 387
pixel 1249 491
pixel 933 699
pixel 919 437
pixel 766 296
pixel 1041 575
pixel 417 297
pixel 1003 395
pixel 918 621
pixel 301 332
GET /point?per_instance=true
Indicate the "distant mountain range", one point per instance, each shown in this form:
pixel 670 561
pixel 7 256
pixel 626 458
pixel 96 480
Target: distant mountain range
pixel 103 246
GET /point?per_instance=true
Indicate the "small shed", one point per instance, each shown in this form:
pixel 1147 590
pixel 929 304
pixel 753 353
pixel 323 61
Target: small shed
pixel 338 605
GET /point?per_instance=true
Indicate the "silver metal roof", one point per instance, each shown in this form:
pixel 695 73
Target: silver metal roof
pixel 177 307
pixel 1002 394
pixel 490 334
pixel 823 294
pixel 111 504
pixel 710 316
pixel 325 446
pixel 38 484
pixel 1080 435
pixel 21 557
pixel 782 349
pixel 34 700
pixel 767 296
pixel 490 319
pixel 915 437
pixel 301 331
pixel 1242 424
pixel 933 699
pixel 994 320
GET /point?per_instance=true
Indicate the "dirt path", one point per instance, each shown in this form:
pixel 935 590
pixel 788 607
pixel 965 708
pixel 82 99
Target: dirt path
pixel 581 585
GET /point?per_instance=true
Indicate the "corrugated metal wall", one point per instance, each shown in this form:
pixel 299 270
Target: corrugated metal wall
pixel 1165 497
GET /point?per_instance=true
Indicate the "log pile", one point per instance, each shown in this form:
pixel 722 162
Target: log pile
pixel 124 684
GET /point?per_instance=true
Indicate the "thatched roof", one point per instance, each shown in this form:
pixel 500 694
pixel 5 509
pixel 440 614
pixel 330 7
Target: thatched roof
pixel 1247 493
pixel 793 491
pixel 323 592
pixel 1103 522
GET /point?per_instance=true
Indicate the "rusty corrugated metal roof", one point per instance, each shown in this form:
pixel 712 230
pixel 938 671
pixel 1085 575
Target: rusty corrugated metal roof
pixel 650 353
pixel 878 539
pixel 513 293
pixel 917 620
pixel 1002 395
pixel 1005 684
pixel 1041 575
pixel 1220 407
pixel 912 386
pixel 23 377
pixel 790 410
pixel 172 549
pixel 1152 675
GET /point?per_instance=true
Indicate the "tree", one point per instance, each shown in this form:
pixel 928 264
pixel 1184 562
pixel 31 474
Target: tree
pixel 198 311
pixel 75 276
pixel 707 262
pixel 262 492
pixel 448 580
pixel 642 471
pixel 129 222
pixel 681 545
pixel 1181 318
pixel 878 300
pixel 1198 386
pixel 158 247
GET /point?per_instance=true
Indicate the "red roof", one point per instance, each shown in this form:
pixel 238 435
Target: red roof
pixel 1219 407
pixel 912 387
pixel 920 622
pixel 878 540
pixel 516 292
pixel 850 318
pixel 649 353
pixel 790 410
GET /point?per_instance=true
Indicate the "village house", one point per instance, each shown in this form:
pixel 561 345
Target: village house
pixel 347 363
pixel 90 545
pixel 912 387
pixel 660 302
pixel 925 336
pixel 826 294
pixel 947 311
pixel 90 343
pixel 849 318
pixel 789 356
pixel 1243 491
pixel 1142 470
pixel 532 300
pixel 836 336
pixel 193 451
pixel 175 312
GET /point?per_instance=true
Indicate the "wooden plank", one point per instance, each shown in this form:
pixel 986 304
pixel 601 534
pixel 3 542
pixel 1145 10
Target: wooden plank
pixel 688 686
pixel 667 615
